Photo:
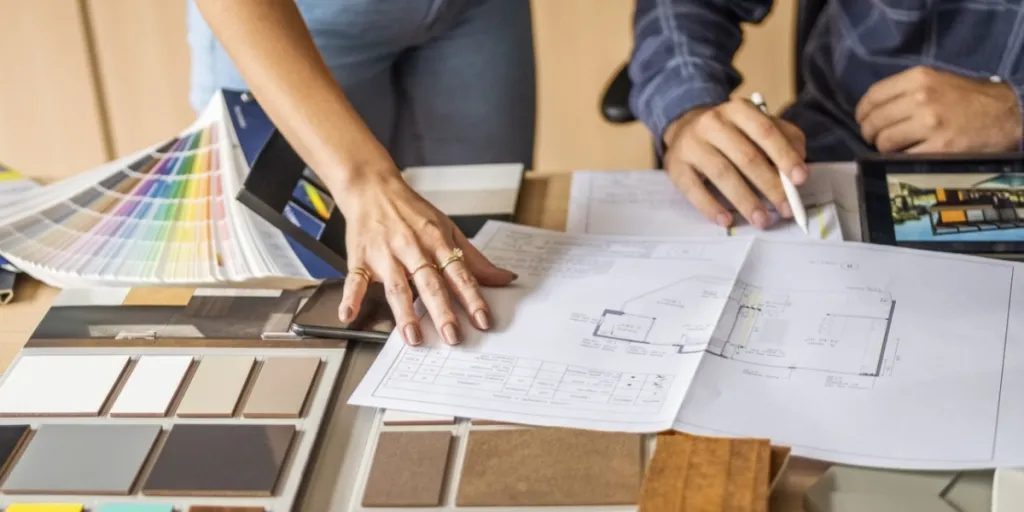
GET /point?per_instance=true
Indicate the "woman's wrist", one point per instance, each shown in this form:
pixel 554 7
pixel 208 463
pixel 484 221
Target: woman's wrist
pixel 351 184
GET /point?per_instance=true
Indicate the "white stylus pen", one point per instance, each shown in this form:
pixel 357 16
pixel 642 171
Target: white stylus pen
pixel 792 196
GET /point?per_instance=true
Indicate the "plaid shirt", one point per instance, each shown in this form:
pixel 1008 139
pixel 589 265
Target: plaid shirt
pixel 684 50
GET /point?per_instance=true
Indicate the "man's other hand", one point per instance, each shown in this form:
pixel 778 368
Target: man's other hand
pixel 924 110
pixel 737 148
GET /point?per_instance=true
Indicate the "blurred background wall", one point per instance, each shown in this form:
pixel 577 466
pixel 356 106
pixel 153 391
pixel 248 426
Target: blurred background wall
pixel 85 81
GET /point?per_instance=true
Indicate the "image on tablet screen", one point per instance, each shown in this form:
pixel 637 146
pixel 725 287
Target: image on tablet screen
pixel 957 207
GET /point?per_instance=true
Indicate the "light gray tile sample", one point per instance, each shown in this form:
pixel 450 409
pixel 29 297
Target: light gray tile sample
pixel 82 459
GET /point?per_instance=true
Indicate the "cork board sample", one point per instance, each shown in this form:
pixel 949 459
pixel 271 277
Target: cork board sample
pixel 695 473
pixel 550 467
pixel 408 469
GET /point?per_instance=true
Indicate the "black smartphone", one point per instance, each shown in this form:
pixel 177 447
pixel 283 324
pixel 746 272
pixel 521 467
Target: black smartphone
pixel 318 316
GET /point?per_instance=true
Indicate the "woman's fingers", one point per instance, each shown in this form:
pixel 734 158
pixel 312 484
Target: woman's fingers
pixel 486 273
pixel 356 282
pixel 431 286
pixel 398 292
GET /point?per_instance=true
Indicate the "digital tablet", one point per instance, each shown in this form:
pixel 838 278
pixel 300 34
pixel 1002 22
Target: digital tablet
pixel 970 204
pixel 318 316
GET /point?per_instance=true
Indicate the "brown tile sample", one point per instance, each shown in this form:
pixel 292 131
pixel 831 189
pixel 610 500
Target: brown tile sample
pixel 220 460
pixel 216 387
pixel 282 387
pixel 550 467
pixel 408 469
pixel 695 473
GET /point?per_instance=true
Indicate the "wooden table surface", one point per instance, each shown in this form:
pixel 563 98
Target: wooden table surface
pixel 543 203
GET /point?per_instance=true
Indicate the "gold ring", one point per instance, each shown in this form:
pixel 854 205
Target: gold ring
pixel 361 273
pixel 456 256
pixel 421 267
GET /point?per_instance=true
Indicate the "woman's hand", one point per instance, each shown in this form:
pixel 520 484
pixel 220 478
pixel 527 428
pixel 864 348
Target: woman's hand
pixel 395 236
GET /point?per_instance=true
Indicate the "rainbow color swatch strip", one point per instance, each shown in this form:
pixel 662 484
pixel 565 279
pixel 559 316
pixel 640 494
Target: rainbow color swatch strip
pixel 161 217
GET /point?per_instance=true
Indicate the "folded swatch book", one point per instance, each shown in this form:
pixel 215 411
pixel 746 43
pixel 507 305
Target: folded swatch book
pixel 165 215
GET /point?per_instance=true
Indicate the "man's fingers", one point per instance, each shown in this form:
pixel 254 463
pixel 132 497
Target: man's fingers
pixel 897 110
pixel 765 133
pixel 749 160
pixel 710 162
pixel 686 179
pixel 796 137
pixel 884 91
pixel 901 135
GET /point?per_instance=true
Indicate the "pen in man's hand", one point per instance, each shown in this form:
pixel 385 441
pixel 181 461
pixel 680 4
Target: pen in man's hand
pixel 792 195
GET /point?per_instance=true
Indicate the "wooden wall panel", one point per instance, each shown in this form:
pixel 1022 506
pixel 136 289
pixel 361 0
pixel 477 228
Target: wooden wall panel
pixel 143 65
pixel 50 122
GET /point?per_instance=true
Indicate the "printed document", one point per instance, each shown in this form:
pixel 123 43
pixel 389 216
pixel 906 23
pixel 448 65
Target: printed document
pixel 647 203
pixel 851 353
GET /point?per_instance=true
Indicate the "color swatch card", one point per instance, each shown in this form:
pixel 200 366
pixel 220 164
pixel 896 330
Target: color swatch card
pixel 165 215
pixel 13 187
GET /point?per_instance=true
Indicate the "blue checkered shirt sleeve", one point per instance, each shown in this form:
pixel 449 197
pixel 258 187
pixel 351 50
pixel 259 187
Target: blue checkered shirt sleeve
pixel 682 57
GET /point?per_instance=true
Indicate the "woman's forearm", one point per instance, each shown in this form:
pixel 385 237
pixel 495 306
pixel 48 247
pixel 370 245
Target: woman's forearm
pixel 269 43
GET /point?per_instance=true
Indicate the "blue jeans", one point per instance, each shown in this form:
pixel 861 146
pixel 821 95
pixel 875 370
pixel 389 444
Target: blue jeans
pixel 438 82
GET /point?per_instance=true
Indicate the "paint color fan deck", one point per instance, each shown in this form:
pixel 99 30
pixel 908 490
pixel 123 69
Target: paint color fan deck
pixel 165 215
pixel 157 429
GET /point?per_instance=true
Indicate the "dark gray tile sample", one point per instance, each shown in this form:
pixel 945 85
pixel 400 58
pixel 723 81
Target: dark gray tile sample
pixel 11 439
pixel 82 459
pixel 220 460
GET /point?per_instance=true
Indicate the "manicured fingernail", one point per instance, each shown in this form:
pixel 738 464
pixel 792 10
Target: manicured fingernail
pixel 785 210
pixel 760 218
pixel 412 334
pixel 450 334
pixel 722 219
pixel 346 314
pixel 798 174
pixel 483 321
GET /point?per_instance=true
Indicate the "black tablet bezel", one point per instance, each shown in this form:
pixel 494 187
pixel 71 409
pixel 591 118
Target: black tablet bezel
pixel 874 170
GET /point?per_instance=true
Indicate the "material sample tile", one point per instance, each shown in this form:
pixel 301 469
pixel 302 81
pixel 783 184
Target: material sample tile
pixel 152 386
pixel 408 469
pixel 216 387
pixel 45 507
pixel 282 387
pixel 60 385
pixel 11 439
pixel 158 296
pixel 220 460
pixel 395 417
pixel 134 507
pixel 696 473
pixel 550 467
pixel 82 459
pixel 219 508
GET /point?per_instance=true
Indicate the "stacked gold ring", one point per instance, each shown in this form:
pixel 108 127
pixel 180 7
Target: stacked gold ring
pixel 456 256
pixel 421 267
pixel 361 273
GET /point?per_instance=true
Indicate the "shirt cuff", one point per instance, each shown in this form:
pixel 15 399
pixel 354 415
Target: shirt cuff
pixel 664 109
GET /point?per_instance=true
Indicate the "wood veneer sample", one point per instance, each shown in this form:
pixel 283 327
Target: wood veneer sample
pixel 550 466
pixel 60 385
pixel 158 296
pixel 82 459
pixel 220 460
pixel 152 386
pixel 282 387
pixel 408 469
pixel 696 473
pixel 216 387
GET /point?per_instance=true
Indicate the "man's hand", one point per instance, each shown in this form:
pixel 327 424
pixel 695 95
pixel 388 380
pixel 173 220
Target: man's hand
pixel 924 110
pixel 730 145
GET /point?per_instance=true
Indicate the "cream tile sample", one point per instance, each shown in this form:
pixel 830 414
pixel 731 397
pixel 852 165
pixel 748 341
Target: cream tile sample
pixel 216 387
pixel 51 385
pixel 395 417
pixel 152 386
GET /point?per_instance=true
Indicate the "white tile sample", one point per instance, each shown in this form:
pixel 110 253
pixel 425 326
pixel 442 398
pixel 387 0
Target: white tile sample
pixel 393 417
pixel 152 386
pixel 60 385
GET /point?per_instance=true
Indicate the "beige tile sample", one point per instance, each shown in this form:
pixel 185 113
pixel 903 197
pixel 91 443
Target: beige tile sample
pixel 216 387
pixel 408 469
pixel 396 417
pixel 50 385
pixel 550 467
pixel 282 387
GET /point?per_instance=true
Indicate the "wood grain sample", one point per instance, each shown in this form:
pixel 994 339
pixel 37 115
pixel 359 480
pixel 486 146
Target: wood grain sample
pixel 408 469
pixel 550 467
pixel 695 473
pixel 282 387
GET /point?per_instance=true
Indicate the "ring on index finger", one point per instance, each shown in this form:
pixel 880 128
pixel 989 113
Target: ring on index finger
pixel 361 272
pixel 455 256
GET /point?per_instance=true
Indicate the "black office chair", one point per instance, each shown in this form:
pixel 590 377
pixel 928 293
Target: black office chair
pixel 615 101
